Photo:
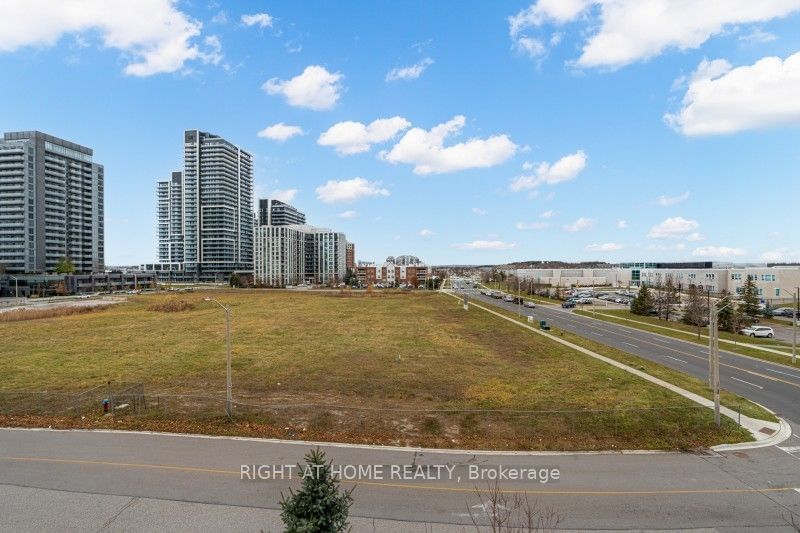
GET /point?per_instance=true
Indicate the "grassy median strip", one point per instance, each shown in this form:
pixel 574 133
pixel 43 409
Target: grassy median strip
pixel 743 344
pixel 408 369
pixel 681 379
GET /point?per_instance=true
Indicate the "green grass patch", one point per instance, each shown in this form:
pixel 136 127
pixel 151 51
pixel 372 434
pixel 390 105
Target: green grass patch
pixel 393 368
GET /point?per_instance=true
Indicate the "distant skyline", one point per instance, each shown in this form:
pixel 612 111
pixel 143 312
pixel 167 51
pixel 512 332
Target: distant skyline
pixel 458 132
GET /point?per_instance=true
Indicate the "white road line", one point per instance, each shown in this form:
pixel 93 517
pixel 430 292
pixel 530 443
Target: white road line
pixel 751 384
pixel 676 359
pixel 779 372
pixel 629 344
pixel 790 449
pixel 598 334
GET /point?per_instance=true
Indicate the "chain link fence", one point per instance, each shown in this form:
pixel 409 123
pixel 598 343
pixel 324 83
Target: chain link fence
pixel 381 423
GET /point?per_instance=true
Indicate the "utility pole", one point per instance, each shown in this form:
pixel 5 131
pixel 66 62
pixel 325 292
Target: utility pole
pixel 228 387
pixel 519 295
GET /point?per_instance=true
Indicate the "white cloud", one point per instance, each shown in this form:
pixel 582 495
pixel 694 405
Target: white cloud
pixel 479 211
pixel 627 31
pixel 280 132
pixel 667 201
pixel 527 165
pixel 565 169
pixel 622 224
pixel 315 88
pixel 728 100
pixel 486 245
pixel 532 225
pixel 220 18
pixel 351 137
pixel 547 214
pixel 347 214
pixel 284 195
pixel 154 36
pixel 580 224
pixel 426 151
pixel 349 190
pixel 262 20
pixel 717 251
pixel 425 232
pixel 674 228
pixel 779 255
pixel 605 247
pixel 758 36
pixel 409 73
pixel 531 46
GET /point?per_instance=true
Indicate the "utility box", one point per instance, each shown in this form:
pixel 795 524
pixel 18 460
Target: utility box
pixel 530 319
pixel 543 325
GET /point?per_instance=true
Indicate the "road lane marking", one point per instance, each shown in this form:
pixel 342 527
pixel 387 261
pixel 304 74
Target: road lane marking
pixel 418 486
pixel 676 359
pixel 779 372
pixel 630 344
pixel 747 382
pixel 598 334
pixel 585 324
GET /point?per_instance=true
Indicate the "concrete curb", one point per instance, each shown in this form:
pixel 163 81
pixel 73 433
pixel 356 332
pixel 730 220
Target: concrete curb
pixel 373 447
pixel 784 431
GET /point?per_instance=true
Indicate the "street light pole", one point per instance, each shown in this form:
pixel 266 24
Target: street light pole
pixel 229 386
pixel 795 300
pixel 16 285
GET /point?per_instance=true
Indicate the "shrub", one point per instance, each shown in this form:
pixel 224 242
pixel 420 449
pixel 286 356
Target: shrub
pixel 172 306
pixel 35 314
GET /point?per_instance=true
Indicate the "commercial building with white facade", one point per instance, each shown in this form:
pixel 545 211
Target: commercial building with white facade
pixel 774 283
pixel 205 213
pixel 51 204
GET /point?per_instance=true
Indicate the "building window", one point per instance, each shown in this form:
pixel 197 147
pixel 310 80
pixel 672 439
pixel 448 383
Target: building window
pixel 777 292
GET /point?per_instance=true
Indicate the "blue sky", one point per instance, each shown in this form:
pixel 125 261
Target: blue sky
pixel 571 129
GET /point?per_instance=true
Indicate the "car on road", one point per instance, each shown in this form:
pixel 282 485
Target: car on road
pixel 569 304
pixel 528 303
pixel 496 294
pixel 758 331
pixel 508 298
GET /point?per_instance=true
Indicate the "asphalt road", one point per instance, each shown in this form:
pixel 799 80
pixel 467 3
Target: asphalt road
pixel 101 481
pixel 772 385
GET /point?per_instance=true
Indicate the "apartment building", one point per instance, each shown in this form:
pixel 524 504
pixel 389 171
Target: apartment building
pixel 325 255
pixel 289 252
pixel 412 272
pixel 279 255
pixel 51 204
pixel 276 213
pixel 205 212
pixel 350 256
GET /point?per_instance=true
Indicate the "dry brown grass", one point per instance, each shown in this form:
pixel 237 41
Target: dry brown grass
pixel 171 306
pixel 54 312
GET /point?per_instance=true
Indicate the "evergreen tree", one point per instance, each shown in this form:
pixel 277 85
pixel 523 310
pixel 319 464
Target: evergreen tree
pixel 65 266
pixel 643 303
pixel 749 306
pixel 235 281
pixel 319 506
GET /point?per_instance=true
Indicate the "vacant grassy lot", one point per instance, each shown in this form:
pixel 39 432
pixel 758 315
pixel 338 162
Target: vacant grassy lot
pixel 744 345
pixel 390 368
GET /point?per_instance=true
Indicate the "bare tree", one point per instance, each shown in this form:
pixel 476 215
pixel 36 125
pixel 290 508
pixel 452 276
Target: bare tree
pixel 696 313
pixel 505 511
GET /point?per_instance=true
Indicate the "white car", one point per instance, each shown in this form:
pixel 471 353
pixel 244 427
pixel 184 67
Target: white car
pixel 508 298
pixel 758 331
pixel 528 303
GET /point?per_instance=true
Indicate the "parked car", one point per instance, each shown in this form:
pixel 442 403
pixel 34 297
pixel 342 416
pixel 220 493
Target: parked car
pixel 569 304
pixel 528 303
pixel 783 311
pixel 758 331
pixel 584 300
